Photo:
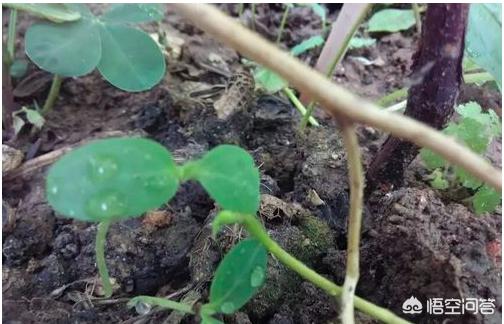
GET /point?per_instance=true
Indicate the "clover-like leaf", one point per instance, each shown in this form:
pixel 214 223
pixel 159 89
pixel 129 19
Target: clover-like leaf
pixel 486 199
pixel 69 49
pixel 238 277
pixel 230 177
pixel 127 57
pixel 131 60
pixel 112 179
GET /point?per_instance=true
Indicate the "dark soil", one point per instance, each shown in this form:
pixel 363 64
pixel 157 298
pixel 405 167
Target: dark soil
pixel 416 240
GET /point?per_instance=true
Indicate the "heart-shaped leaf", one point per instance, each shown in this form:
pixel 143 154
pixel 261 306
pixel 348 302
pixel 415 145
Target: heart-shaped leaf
pixel 131 60
pixel 238 277
pixel 112 179
pixel 69 49
pixel 231 178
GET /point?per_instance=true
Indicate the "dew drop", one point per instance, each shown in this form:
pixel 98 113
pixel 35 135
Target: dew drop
pixel 257 277
pixel 227 308
pixel 54 190
pixel 102 168
pixel 106 205
pixel 143 308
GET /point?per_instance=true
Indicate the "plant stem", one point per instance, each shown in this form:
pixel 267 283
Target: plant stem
pixel 299 105
pixel 336 100
pixel 282 24
pixel 478 78
pixel 356 180
pixel 53 94
pixel 11 34
pixel 101 236
pixel 418 18
pixel 254 226
pixel 307 115
pixel 162 302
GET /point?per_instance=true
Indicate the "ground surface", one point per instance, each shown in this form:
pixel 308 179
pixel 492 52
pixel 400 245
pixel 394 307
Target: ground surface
pixel 416 241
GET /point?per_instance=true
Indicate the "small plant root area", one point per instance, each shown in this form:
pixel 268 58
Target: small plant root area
pixel 416 240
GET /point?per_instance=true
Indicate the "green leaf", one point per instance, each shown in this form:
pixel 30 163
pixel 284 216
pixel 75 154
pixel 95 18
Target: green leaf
pixel 133 13
pixel 391 20
pixel 67 49
pixel 320 11
pixel 486 200
pixel 239 276
pixel 112 179
pixel 466 179
pixel 34 117
pixel 230 177
pixel 131 60
pixel 484 37
pixel 307 45
pixel 269 80
pixel 361 42
pixel 55 12
pixel 431 159
pixel 18 68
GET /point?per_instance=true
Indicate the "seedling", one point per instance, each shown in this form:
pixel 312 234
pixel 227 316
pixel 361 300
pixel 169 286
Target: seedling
pixel 121 178
pixel 476 129
pixel 237 279
pixel 125 56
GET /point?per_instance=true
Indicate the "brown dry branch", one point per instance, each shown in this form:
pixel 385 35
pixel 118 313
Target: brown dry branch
pixel 334 99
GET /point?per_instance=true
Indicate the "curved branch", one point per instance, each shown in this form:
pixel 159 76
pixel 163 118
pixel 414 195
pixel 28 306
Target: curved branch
pixel 333 98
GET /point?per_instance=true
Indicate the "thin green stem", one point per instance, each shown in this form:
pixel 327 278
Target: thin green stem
pixel 53 94
pixel 11 34
pixel 299 105
pixel 162 302
pixel 101 236
pixel 282 24
pixel 418 18
pixel 307 115
pixel 254 226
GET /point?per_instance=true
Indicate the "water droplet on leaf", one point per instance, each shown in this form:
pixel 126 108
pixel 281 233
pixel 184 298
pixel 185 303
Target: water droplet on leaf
pixel 106 206
pixel 257 277
pixel 227 308
pixel 102 168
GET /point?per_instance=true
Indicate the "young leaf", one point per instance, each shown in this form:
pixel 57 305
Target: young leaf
pixel 55 12
pixel 391 20
pixel 238 277
pixel 320 11
pixel 269 80
pixel 133 13
pixel 230 177
pixel 112 179
pixel 307 45
pixel 486 200
pixel 130 60
pixel 438 181
pixel 484 37
pixel 432 160
pixel 69 49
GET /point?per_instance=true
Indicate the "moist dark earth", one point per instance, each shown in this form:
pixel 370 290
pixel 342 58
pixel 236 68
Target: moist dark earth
pixel 416 241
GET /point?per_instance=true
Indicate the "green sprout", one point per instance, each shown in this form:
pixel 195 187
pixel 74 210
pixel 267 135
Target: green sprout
pixel 476 129
pixel 114 179
pixel 77 42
